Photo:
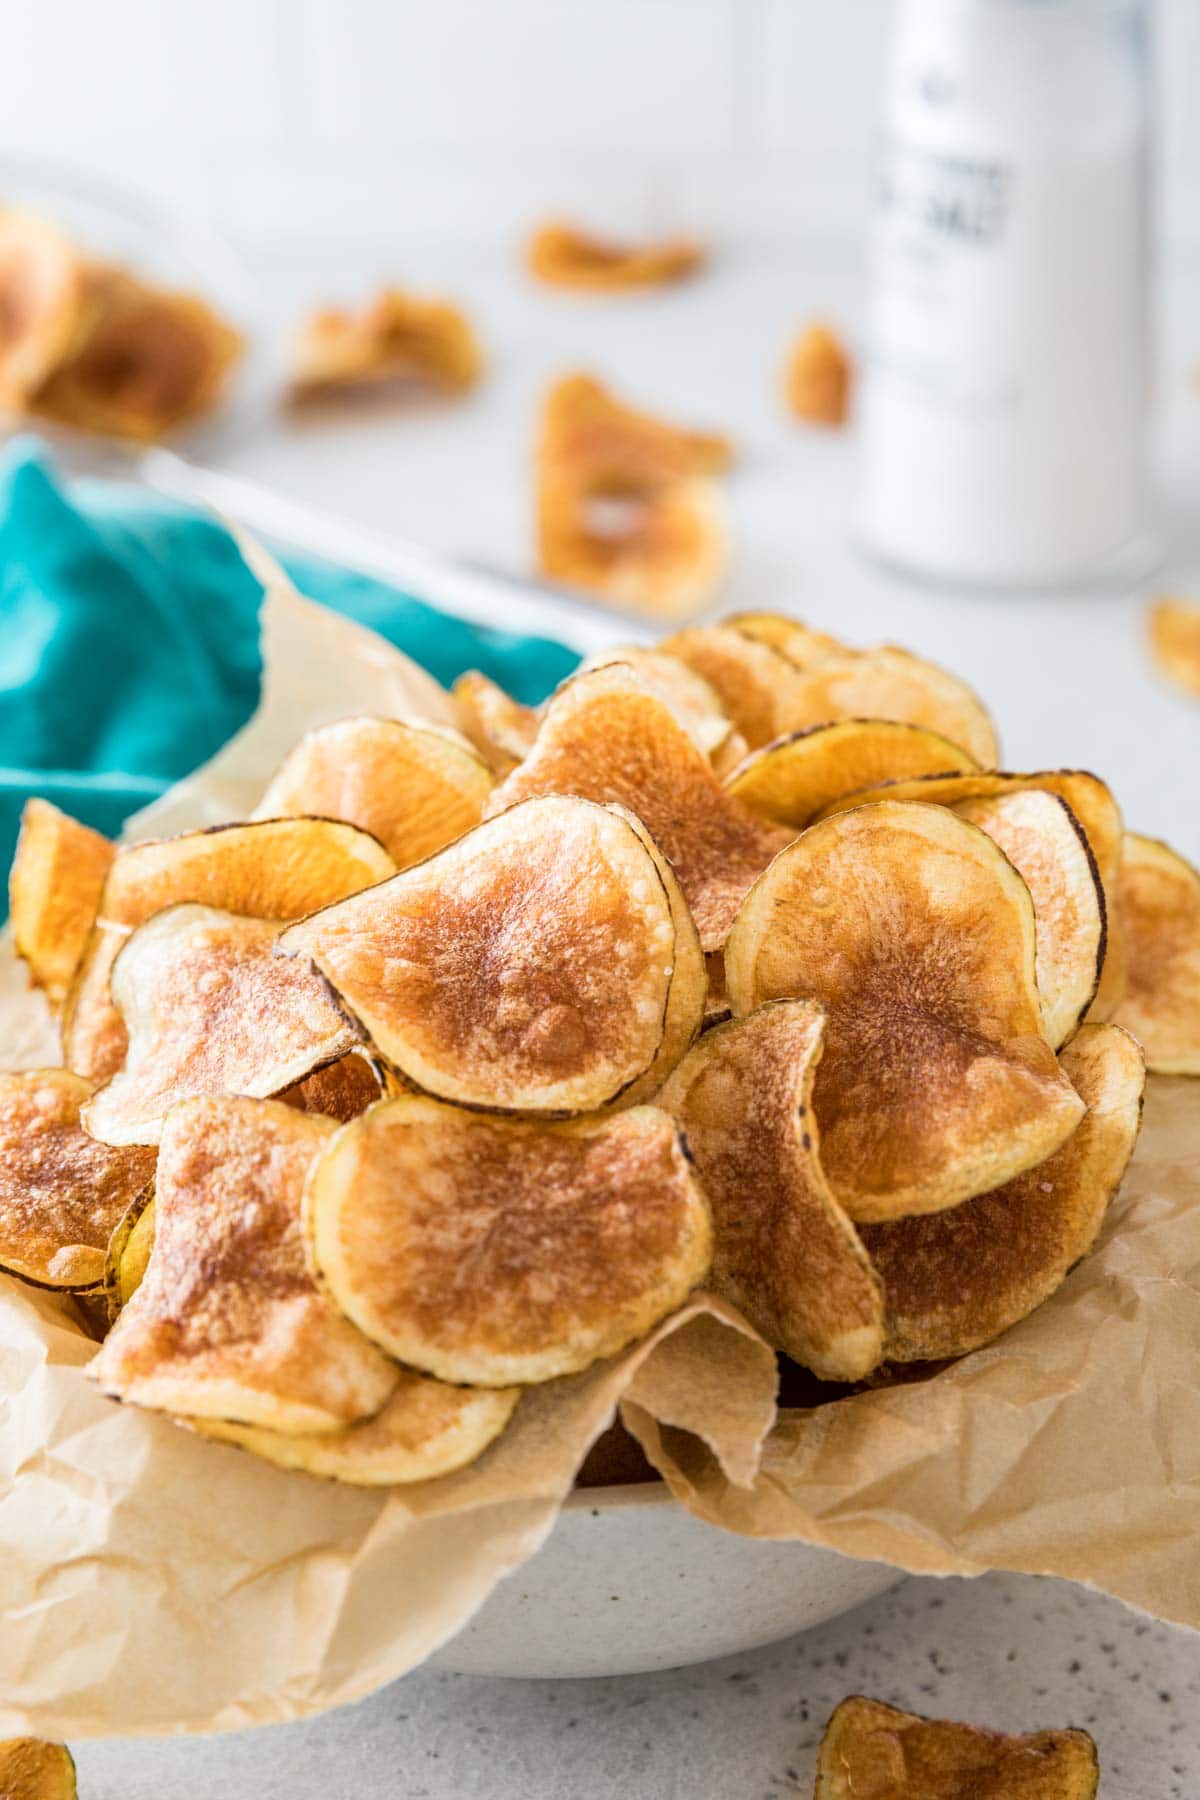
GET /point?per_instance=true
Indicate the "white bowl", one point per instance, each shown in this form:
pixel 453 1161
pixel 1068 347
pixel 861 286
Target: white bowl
pixel 629 1581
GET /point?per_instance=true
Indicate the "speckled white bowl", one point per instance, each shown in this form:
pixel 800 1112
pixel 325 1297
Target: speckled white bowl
pixel 629 1581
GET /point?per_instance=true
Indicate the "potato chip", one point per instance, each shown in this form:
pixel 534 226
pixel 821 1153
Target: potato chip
pixel 917 935
pixel 690 698
pixel 496 1251
pixel 227 1322
pixel 626 507
pixel 543 963
pixel 1158 899
pixel 210 1009
pixel 128 1253
pixel 1046 844
pixel 501 728
pixel 1174 628
pixel 784 1252
pixel 757 685
pixel 94 1040
pixel 54 893
pixel 607 738
pixel 818 377
pixel 43 292
pixel 562 255
pixel 1093 806
pixel 414 787
pixel 955 1280
pixel 801 644
pixel 427 1428
pixel 889 683
pixel 32 1769
pixel 341 1090
pixel 61 1192
pixel 792 779
pixel 875 1752
pixel 398 340
pixel 144 362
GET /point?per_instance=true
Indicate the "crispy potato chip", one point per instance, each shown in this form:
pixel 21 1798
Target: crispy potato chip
pixel 875 1752
pixel 800 643
pixel 427 1428
pixel 689 697
pixel 1158 898
pixel 889 683
pixel 501 728
pixel 562 255
pixel 94 1039
pixel 396 340
pixel 545 962
pixel 145 361
pixel 917 935
pixel 784 1252
pixel 227 1322
pixel 128 1254
pixel 414 787
pixel 1048 848
pixel 268 869
pixel 341 1090
pixel 757 685
pixel 495 1251
pixel 955 1280
pixel 626 509
pixel 61 1193
pixel 818 377
pixel 210 1009
pixel 31 1769
pixel 1174 629
pixel 607 738
pixel 791 780
pixel 1093 806
pixel 43 292
pixel 54 893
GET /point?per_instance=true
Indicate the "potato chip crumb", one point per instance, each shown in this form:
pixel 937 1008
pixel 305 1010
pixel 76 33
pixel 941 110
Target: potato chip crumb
pixel 818 377
pixel 1174 629
pixel 563 255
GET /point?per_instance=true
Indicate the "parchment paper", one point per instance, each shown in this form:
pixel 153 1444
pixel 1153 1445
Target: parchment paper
pixel 154 1581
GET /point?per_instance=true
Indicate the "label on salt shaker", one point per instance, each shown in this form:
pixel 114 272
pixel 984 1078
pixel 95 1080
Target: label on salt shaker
pixel 1002 411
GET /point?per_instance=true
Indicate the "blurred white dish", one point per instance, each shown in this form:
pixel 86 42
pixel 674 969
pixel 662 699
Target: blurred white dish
pixel 629 1581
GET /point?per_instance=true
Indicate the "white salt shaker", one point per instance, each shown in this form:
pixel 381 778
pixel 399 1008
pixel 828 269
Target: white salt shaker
pixel 1003 405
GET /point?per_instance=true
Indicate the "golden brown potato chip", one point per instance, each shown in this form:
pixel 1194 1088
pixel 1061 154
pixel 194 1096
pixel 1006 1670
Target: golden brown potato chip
pixel 54 893
pixel 607 738
pixel 791 780
pixel 1158 898
pixel 957 1279
pixel 43 291
pixel 414 787
pixel 889 683
pixel 427 1428
pixel 757 685
pixel 875 1752
pixel 917 935
pixel 128 1253
pixel 1048 848
pixel 690 698
pixel 210 1009
pixel 626 507
pixel 784 1252
pixel 144 362
pixel 341 1090
pixel 818 377
pixel 31 1769
pixel 543 963
pixel 501 728
pixel 227 1322
pixel 495 1251
pixel 94 1040
pixel 397 340
pixel 1174 628
pixel 562 255
pixel 801 644
pixel 1092 804
pixel 61 1193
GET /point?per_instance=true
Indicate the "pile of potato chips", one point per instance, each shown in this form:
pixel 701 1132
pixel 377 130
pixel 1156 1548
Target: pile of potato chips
pixel 461 1063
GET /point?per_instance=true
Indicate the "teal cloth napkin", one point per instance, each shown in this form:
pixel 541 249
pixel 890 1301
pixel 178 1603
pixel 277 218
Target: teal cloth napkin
pixel 129 642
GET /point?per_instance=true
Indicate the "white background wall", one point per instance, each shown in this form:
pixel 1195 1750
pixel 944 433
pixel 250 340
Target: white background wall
pixel 359 121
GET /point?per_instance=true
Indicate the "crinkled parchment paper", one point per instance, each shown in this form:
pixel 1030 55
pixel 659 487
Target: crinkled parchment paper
pixel 152 1580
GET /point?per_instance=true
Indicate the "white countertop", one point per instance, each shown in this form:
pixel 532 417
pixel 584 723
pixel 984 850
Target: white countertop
pixel 1068 679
